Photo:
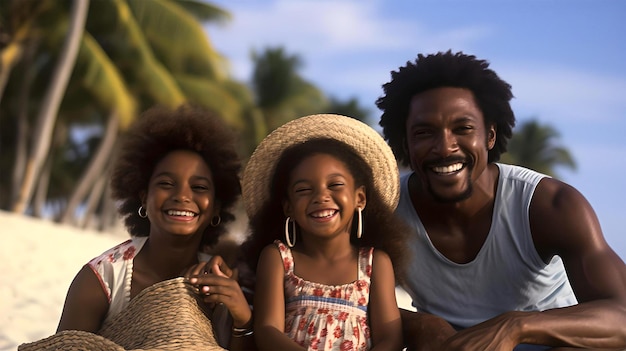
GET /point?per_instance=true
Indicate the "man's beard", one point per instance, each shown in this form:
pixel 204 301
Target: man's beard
pixel 448 200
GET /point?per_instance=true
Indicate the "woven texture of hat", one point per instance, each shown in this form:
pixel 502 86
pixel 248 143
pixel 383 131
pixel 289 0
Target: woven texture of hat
pixel 361 137
pixel 163 317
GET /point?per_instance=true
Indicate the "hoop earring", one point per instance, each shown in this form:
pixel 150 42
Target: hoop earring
pixel 145 212
pixel 287 239
pixel 359 227
pixel 215 224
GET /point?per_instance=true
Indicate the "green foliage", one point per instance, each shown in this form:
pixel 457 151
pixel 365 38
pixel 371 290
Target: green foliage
pixel 535 146
pixel 133 54
pixel 350 108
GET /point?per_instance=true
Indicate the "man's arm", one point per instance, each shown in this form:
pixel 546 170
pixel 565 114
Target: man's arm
pixel 563 223
pixel 422 331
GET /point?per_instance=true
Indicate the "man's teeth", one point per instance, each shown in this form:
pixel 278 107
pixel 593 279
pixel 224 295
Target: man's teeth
pixel 448 169
pixel 322 214
pixel 180 213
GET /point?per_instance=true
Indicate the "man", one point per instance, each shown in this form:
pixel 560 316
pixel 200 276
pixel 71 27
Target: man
pixel 502 255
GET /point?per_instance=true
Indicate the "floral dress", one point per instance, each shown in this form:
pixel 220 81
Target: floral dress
pixel 328 317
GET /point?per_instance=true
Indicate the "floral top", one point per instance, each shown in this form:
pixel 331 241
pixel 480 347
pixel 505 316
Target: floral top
pixel 114 269
pixel 328 317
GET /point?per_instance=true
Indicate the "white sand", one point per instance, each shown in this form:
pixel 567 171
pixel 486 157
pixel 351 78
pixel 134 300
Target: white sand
pixel 39 260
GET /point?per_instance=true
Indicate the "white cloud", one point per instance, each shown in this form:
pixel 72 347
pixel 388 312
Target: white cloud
pixel 325 32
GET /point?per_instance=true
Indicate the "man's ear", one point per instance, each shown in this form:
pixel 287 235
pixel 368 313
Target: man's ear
pixel 491 136
pixel 405 146
pixel 405 149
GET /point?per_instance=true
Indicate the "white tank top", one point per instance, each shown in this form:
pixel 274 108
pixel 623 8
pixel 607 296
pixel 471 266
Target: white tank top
pixel 114 269
pixel 507 274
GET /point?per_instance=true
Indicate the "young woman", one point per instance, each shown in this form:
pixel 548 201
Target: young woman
pixel 176 181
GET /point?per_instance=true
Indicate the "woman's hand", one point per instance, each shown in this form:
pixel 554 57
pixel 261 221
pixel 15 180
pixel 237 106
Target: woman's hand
pixel 217 284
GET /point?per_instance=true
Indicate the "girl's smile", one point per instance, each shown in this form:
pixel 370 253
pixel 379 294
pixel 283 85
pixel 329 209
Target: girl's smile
pixel 181 196
pixel 322 196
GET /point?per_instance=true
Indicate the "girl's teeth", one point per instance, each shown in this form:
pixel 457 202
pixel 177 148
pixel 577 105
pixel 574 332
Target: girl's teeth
pixel 323 214
pixel 180 213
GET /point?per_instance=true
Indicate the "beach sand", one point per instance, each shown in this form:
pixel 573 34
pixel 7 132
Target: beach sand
pixel 39 260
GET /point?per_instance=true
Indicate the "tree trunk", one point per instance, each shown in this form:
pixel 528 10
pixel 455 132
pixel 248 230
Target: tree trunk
pixel 92 202
pixel 108 210
pixel 21 144
pixel 47 116
pixel 41 193
pixel 94 168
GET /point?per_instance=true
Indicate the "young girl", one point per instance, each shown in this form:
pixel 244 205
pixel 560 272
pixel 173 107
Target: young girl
pixel 176 182
pixel 320 193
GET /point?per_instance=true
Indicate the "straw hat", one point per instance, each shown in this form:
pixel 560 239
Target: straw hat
pixel 362 138
pixel 163 317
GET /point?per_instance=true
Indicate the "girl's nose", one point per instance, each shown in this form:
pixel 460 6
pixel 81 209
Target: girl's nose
pixel 182 194
pixel 321 195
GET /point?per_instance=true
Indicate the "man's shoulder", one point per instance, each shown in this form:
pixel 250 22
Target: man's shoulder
pixel 521 174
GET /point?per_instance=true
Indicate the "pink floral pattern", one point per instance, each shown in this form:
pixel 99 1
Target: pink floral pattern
pixel 125 251
pixel 323 317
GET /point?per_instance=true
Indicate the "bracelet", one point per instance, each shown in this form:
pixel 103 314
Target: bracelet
pixel 242 332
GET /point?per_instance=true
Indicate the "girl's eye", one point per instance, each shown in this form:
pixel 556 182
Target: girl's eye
pixel 301 190
pixel 200 187
pixel 335 185
pixel 165 184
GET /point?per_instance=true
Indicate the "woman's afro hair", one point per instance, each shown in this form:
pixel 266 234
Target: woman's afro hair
pixel 161 130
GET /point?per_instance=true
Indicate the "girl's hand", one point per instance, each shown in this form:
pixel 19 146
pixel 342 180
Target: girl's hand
pixel 217 284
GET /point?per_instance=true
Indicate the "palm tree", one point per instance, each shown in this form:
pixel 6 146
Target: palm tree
pixel 535 146
pixel 350 107
pixel 133 54
pixel 47 114
pixel 281 93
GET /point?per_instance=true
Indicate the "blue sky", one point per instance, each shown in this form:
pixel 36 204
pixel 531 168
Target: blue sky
pixel 565 59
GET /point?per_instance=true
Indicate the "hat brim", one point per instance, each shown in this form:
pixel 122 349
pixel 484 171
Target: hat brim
pixel 165 316
pixel 367 143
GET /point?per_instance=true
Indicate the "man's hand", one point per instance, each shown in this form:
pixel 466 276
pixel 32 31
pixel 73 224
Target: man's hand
pixel 424 332
pixel 499 333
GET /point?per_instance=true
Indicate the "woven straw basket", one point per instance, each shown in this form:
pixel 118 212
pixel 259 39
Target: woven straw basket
pixel 165 316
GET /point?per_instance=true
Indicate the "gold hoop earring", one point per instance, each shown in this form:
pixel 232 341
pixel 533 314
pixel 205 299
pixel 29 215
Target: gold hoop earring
pixel 216 223
pixel 359 226
pixel 287 239
pixel 144 214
